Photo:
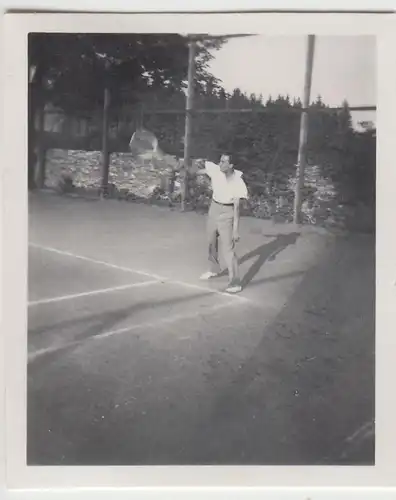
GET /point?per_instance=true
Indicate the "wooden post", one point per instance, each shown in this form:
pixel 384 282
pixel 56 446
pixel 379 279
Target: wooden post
pixel 188 122
pixel 141 116
pixel 41 148
pixel 31 137
pixel 105 143
pixel 33 94
pixel 302 150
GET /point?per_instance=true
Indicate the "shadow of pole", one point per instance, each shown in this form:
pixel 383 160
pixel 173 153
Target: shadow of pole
pixel 267 252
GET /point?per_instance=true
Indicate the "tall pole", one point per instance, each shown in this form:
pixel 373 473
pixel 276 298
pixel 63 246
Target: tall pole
pixel 33 97
pixel 31 135
pixel 188 123
pixel 302 149
pixel 105 136
pixel 41 150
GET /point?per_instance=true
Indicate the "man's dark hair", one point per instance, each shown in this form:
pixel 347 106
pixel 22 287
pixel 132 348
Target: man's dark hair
pixel 226 154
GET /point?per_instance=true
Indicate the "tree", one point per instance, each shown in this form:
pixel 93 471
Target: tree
pixel 46 57
pixel 72 71
pixel 74 65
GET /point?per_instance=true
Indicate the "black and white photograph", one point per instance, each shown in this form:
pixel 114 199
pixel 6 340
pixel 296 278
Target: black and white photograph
pixel 201 249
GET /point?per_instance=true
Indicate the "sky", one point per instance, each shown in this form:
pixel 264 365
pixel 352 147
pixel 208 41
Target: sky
pixel 344 68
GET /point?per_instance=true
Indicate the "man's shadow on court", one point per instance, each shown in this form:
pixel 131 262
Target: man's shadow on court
pixel 265 253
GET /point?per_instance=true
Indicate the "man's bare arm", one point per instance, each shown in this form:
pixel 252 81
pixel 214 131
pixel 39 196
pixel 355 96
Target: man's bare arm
pixel 197 168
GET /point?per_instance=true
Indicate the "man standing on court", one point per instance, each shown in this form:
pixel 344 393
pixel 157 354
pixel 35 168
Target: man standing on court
pixel 228 189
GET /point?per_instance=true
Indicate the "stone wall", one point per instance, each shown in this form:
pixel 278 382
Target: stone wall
pixel 132 177
pixel 137 176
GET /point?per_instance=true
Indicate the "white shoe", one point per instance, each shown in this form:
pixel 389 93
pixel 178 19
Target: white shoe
pixel 208 275
pixel 233 289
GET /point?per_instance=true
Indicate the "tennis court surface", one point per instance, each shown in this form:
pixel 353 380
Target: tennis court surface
pixel 133 360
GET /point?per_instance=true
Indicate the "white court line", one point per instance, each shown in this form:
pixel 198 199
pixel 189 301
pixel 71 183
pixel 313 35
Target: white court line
pixel 366 430
pixel 362 434
pixel 92 292
pixel 150 324
pixel 94 261
pixel 142 273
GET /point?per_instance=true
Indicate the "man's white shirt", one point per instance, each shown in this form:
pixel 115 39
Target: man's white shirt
pixel 226 190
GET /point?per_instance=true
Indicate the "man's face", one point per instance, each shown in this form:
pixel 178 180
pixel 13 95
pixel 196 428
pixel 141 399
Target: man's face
pixel 225 164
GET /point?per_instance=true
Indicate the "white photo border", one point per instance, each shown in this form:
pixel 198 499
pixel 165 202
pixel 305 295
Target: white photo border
pixel 14 256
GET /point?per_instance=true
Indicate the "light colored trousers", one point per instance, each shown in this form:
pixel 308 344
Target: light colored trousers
pixel 221 224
